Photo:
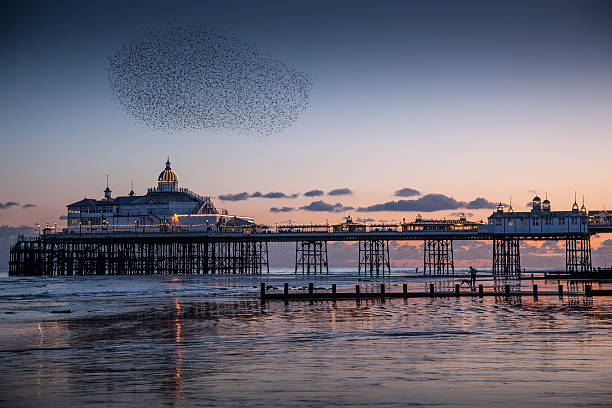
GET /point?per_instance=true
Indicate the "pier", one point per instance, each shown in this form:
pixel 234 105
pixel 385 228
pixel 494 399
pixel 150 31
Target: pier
pixel 246 252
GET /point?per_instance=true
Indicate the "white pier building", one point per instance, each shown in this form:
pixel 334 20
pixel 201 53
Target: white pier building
pixel 164 208
pixel 540 220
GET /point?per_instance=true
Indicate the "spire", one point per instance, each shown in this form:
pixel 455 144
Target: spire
pixel 107 192
pixel 132 190
pixel 168 163
pixel 575 205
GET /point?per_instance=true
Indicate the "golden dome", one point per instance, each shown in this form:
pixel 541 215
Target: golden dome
pixel 168 175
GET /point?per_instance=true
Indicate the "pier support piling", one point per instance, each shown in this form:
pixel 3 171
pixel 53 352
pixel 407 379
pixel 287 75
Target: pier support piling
pixel 578 255
pixel 311 257
pixel 374 258
pixel 438 257
pixel 506 258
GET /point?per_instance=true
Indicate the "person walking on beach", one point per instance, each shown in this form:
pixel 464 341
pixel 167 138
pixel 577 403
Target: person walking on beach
pixel 473 273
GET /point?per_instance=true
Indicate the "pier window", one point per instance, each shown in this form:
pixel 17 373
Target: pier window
pixel 562 221
pixel 523 222
pixel 510 222
pixel 535 221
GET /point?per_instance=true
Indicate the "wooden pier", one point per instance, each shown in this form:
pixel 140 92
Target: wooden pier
pixel 432 293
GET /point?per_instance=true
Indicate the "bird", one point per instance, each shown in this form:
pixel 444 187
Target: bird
pixel 186 78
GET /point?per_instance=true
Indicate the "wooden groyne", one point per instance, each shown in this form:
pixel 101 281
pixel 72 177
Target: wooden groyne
pixel 432 293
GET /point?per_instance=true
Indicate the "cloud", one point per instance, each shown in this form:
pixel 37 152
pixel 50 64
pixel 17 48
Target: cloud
pixel 8 204
pixel 459 214
pixel 359 219
pixel 29 205
pixel 281 209
pixel 274 194
pixel 245 196
pixel 63 217
pixel 8 236
pixel 340 191
pixel 313 193
pixel 234 197
pixel 480 203
pixel 323 206
pixel 430 203
pixel 407 192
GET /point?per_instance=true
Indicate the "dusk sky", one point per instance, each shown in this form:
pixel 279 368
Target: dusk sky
pixel 463 99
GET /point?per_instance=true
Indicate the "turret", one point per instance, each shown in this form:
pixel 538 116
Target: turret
pixel 546 204
pixel 107 192
pixel 132 194
pixel 536 204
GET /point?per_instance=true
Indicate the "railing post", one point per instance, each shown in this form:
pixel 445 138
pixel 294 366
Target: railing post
pixel 480 290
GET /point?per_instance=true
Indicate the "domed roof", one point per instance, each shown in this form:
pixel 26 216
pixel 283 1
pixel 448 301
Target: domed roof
pixel 546 202
pixel 536 198
pixel 168 175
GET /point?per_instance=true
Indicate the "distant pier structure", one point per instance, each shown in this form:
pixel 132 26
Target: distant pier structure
pixel 171 230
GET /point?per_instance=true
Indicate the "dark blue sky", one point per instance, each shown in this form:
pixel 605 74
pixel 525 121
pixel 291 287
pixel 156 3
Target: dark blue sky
pixel 405 94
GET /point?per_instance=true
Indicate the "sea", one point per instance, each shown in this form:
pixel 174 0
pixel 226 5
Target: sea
pixel 207 340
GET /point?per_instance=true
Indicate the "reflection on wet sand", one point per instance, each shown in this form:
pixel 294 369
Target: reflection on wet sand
pixel 188 350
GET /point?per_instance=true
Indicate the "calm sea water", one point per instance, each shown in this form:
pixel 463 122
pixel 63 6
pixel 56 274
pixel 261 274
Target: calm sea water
pixel 208 341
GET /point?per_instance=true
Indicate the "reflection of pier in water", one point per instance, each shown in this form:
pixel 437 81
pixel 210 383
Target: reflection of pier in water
pixel 167 330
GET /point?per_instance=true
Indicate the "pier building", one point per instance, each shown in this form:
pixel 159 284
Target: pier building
pixel 165 207
pixel 541 220
pixel 349 226
pixel 420 224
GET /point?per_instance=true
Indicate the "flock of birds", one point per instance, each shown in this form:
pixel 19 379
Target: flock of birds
pixel 185 78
